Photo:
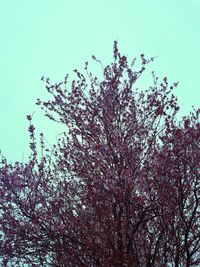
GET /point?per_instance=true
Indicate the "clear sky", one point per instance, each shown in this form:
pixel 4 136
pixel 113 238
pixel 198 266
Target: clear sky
pixel 52 37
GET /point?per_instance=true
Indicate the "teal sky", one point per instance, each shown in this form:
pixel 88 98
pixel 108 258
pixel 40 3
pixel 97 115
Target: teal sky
pixel 52 37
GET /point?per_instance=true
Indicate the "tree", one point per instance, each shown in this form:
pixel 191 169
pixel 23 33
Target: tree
pixel 120 188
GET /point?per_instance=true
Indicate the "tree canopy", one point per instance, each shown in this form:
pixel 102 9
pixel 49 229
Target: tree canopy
pixel 121 185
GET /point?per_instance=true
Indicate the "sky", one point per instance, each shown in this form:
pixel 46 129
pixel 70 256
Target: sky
pixel 52 37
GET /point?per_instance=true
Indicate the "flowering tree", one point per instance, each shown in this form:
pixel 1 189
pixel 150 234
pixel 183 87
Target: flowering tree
pixel 121 186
